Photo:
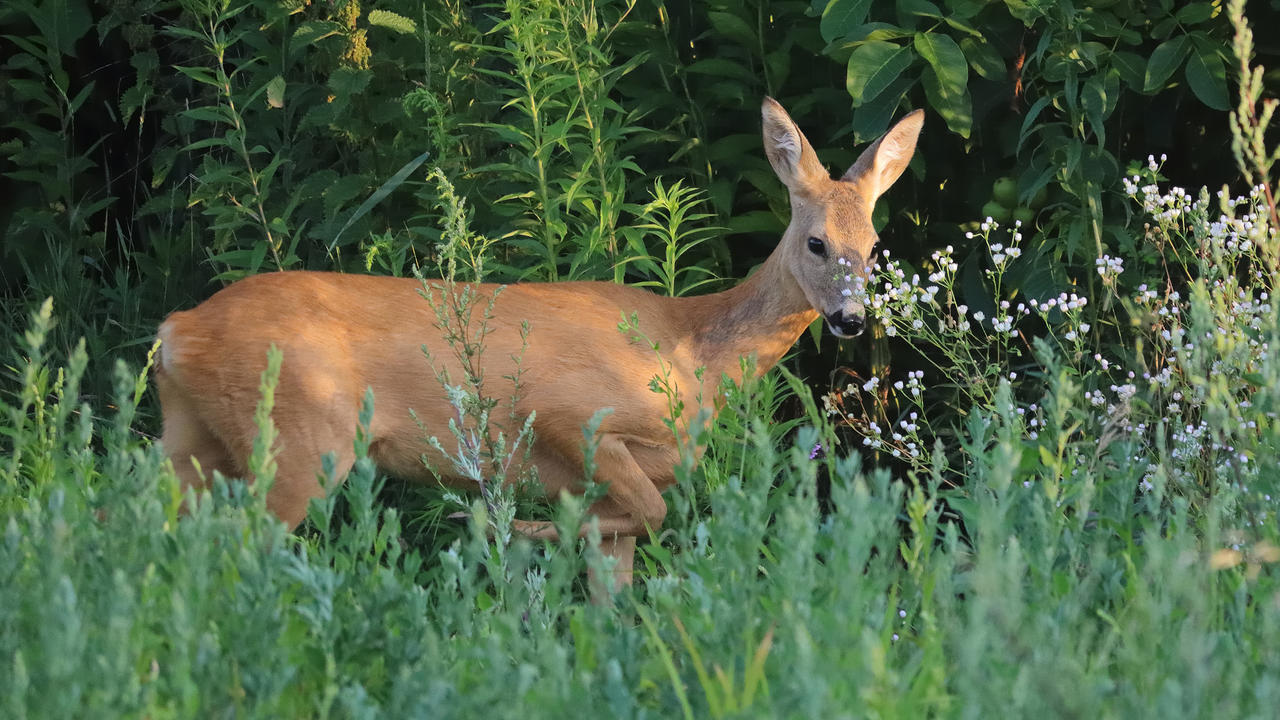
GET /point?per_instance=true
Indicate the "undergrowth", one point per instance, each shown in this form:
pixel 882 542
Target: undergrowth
pixel 1069 509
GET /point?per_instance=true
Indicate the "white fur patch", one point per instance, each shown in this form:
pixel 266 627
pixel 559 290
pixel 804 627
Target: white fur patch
pixel 166 345
pixel 787 143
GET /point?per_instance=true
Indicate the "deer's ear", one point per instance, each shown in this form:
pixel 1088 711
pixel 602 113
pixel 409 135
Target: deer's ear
pixel 881 164
pixel 792 158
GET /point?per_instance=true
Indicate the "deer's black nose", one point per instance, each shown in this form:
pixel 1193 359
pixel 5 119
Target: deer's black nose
pixel 845 325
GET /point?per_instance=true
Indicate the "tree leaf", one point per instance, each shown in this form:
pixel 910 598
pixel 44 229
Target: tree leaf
pixel 1029 121
pixel 1093 98
pixel 962 27
pixel 873 66
pixel 872 119
pixel 956 107
pixel 346 82
pixel 734 28
pixel 391 184
pixel 946 80
pixel 721 68
pixel 392 21
pixel 983 58
pixel 909 10
pixel 1195 13
pixel 1132 68
pixel 1164 60
pixel 873 31
pixel 275 92
pixel 945 56
pixel 312 31
pixel 1207 77
pixel 842 16
pixel 208 113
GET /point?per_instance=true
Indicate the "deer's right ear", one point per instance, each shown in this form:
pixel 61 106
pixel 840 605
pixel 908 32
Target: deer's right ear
pixel 883 162
pixel 792 158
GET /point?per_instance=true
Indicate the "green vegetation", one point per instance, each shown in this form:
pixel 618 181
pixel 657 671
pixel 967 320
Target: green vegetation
pixel 1046 484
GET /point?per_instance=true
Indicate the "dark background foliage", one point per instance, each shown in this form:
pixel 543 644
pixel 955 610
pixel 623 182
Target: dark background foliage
pixel 155 150
pixel 1070 540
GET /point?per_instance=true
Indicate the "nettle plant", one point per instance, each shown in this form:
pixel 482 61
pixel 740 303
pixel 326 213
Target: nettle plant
pixel 1167 377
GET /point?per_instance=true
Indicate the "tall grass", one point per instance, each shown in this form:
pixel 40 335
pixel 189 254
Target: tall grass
pixel 1072 514
pixel 1082 571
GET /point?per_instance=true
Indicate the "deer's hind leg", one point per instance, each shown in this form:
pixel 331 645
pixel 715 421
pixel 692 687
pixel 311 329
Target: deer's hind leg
pixel 193 446
pixel 314 416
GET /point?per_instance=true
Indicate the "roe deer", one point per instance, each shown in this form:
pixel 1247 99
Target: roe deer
pixel 341 334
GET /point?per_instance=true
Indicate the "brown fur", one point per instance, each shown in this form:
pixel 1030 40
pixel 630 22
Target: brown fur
pixel 342 333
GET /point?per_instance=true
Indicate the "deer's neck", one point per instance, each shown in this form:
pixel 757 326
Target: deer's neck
pixel 762 316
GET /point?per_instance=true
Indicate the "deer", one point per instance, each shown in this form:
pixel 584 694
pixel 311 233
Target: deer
pixel 342 333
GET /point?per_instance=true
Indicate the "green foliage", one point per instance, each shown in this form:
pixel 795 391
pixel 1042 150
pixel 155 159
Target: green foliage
pixel 997 520
pixel 1027 590
pixel 1052 86
pixel 671 221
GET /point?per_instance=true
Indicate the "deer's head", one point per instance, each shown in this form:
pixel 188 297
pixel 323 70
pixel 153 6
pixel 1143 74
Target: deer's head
pixel 828 244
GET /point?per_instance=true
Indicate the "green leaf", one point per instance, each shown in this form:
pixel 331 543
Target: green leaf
pixel 209 113
pixel 872 31
pixel 1207 76
pixel 394 182
pixel 964 9
pixel 1164 28
pixel 1132 68
pixel 910 9
pixel 199 74
pixel 946 80
pixel 842 16
pixel 1094 100
pixel 954 107
pixel 134 100
pixel 872 119
pixel 275 92
pixel 755 221
pixel 944 55
pixel 873 67
pixel 1196 12
pixel 1029 121
pixel 733 27
pixel 61 24
pixel 721 68
pixel 346 82
pixel 967 29
pixel 392 21
pixel 983 58
pixel 311 32
pixel 74 105
pixel 340 191
pixel 1165 59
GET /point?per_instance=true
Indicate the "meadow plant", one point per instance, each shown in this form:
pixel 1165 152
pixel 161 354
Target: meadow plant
pixel 1138 352
pixel 490 442
pixel 1051 581
pixel 1082 522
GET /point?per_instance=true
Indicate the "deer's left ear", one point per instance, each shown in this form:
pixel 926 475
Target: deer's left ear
pixel 789 152
pixel 881 164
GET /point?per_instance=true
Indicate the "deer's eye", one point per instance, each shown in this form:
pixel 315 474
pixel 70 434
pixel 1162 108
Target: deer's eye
pixel 817 247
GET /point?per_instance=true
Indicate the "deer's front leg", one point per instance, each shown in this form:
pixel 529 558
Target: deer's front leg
pixel 631 506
